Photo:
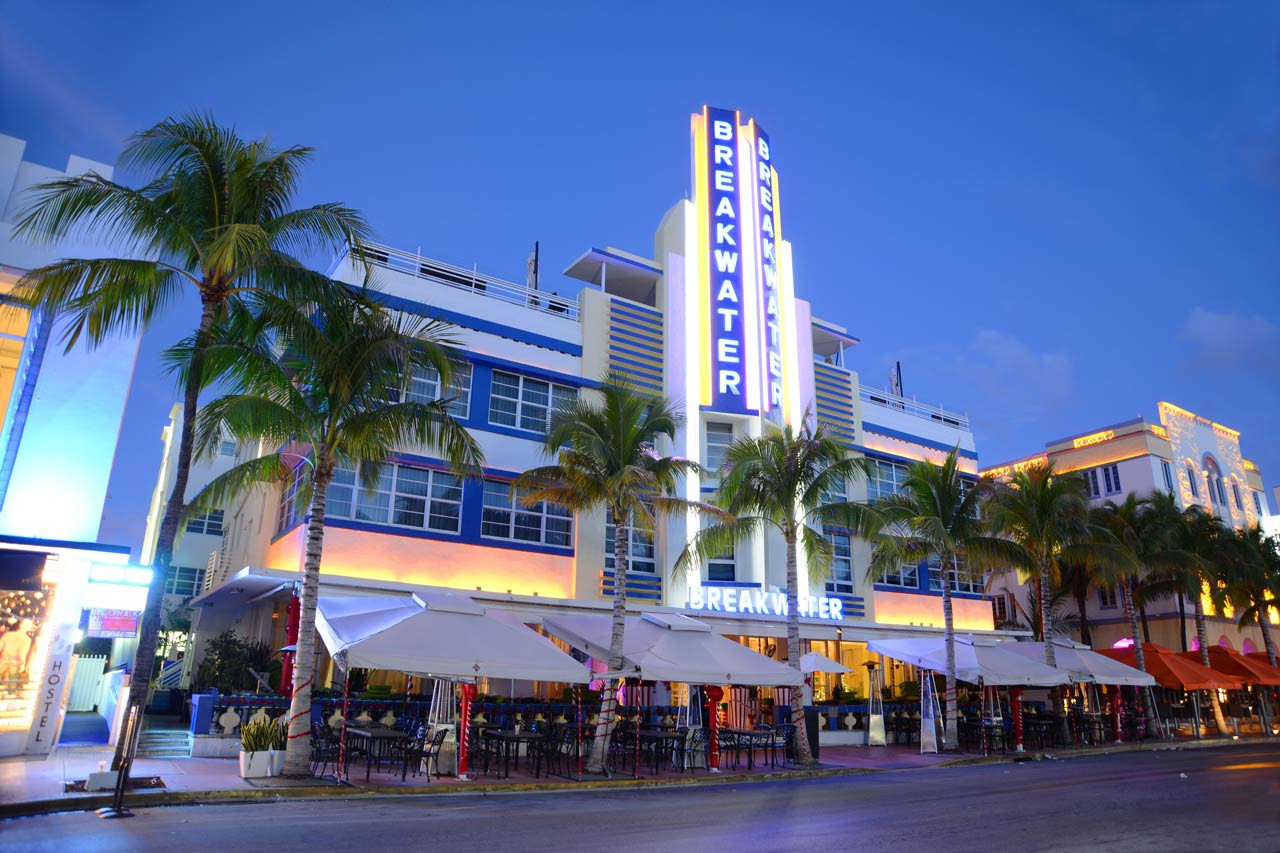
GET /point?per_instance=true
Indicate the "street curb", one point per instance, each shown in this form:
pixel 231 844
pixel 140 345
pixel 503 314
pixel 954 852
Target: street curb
pixel 142 799
pixel 1109 749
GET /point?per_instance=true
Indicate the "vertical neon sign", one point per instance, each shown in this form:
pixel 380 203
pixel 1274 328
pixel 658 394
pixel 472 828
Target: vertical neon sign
pixel 764 180
pixel 726 292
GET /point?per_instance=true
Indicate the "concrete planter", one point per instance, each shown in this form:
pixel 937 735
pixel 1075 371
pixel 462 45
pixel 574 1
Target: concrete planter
pixel 275 763
pixel 254 765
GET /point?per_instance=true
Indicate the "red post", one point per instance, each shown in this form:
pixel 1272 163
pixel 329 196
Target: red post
pixel 714 695
pixel 1115 711
pixel 1015 699
pixel 290 639
pixel 464 729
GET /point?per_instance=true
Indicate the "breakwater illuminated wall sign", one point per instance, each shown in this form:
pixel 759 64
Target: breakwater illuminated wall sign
pixel 757 602
pixel 746 300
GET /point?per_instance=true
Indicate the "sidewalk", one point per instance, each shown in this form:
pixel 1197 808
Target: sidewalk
pixel 36 786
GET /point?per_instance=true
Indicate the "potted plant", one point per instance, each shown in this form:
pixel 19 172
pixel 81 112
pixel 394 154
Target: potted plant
pixel 279 740
pixel 256 738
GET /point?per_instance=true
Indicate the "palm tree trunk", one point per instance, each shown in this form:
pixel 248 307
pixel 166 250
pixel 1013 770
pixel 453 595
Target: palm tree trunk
pixel 801 746
pixel 1046 615
pixel 1267 642
pixel 1037 631
pixel 149 628
pixel 951 724
pixel 1146 629
pixel 1140 658
pixel 609 696
pixel 1202 632
pixel 297 756
pixel 1082 604
pixel 1182 619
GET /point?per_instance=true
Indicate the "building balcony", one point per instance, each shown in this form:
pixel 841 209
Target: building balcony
pixel 913 407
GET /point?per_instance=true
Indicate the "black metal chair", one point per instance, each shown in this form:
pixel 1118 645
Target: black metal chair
pixel 419 751
pixel 324 749
pixel 695 744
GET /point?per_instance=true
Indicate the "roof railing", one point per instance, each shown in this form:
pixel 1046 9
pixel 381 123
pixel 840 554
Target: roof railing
pixel 912 406
pixel 470 280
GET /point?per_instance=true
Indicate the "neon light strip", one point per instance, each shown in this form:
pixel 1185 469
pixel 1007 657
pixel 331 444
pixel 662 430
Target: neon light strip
pixel 701 265
pixel 752 309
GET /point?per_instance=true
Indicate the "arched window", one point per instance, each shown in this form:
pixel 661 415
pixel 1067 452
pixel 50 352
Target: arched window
pixel 1191 480
pixel 1217 491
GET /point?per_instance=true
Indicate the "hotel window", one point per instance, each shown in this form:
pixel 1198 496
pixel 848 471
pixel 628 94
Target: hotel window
pixel 1106 597
pixel 209 523
pixel 1111 476
pixel 722 569
pixel 1091 482
pixel 1222 493
pixel 1191 481
pixel 227 448
pixel 506 518
pixel 907 576
pixel 404 496
pixel 837 494
pixel 289 514
pixel 424 387
pixel 183 581
pixel 886 479
pixel 719 437
pixel 1000 609
pixel 956 576
pixel 1235 490
pixel 1257 503
pixel 639 547
pixel 1168 476
pixel 526 403
pixel 841 565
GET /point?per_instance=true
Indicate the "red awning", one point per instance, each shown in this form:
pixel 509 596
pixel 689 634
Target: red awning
pixel 1231 662
pixel 1170 669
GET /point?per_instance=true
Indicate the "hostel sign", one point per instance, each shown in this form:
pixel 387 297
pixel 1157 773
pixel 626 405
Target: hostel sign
pixel 745 296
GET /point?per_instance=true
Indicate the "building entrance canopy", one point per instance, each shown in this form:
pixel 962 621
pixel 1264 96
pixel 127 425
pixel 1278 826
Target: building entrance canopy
pixel 438 636
pixel 1084 665
pixel 672 647
pixel 978 660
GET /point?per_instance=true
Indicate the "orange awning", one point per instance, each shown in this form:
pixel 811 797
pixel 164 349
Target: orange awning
pixel 1170 669
pixel 1231 662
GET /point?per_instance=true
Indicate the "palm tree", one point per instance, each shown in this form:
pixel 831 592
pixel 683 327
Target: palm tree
pixel 607 457
pixel 1253 581
pixel 783 481
pixel 1153 537
pixel 333 390
pixel 938 513
pixel 1046 517
pixel 214 217
pixel 1077 580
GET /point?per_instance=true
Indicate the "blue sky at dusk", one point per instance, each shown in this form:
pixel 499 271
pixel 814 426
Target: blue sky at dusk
pixel 1053 214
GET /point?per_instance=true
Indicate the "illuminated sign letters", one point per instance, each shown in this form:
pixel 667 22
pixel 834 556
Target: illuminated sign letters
pixel 1096 438
pixel 758 602
pixel 770 313
pixel 728 323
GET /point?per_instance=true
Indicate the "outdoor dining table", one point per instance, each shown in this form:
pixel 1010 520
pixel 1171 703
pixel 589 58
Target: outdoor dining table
pixel 377 742
pixel 657 741
pixel 752 738
pixel 507 743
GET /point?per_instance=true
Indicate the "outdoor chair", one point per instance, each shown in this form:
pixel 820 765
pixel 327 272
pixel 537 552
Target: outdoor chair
pixel 784 738
pixel 324 749
pixel 419 752
pixel 695 744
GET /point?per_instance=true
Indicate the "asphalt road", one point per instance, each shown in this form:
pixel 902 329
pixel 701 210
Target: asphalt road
pixel 1208 799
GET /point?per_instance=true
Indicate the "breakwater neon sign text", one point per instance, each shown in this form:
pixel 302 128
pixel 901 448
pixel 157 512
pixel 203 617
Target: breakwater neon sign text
pixel 758 602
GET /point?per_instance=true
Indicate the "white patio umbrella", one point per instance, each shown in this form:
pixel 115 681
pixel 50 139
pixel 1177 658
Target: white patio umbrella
pixel 978 660
pixel 1083 664
pixel 672 647
pixel 814 662
pixel 440 635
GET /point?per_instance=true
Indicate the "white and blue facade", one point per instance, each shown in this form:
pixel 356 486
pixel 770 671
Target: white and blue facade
pixel 712 318
pixel 61 414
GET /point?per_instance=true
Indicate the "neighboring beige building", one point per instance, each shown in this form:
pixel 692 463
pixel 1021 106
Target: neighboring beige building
pixel 1200 462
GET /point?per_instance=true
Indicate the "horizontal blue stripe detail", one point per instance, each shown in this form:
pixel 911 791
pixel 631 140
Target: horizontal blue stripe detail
pixel 632 314
pixel 481 325
pixel 732 584
pixel 533 370
pixel 644 578
pixel 654 348
pixel 972 596
pixel 915 439
pixel 641 366
pixel 64 543
pixel 644 596
pixel 626 323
